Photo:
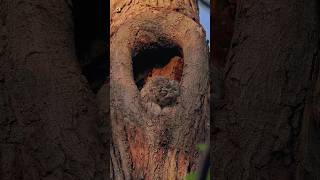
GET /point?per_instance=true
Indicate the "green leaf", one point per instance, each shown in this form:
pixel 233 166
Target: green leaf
pixel 191 176
pixel 202 147
pixel 208 175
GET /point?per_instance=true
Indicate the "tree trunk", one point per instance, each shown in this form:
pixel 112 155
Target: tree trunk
pixel 222 18
pixel 155 138
pixel 48 114
pixel 268 125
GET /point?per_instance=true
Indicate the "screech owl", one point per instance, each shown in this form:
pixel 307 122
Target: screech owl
pixel 161 91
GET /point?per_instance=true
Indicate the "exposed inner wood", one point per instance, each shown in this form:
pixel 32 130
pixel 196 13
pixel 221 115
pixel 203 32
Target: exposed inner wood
pixel 165 62
pixel 173 70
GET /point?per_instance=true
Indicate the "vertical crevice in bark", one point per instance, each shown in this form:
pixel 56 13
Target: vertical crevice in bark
pixel 222 17
pixel 309 144
pixel 90 42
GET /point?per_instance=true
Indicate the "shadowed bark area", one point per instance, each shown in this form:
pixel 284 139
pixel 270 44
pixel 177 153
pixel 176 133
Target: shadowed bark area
pixel 222 17
pixel 154 137
pixel 48 114
pixel 268 124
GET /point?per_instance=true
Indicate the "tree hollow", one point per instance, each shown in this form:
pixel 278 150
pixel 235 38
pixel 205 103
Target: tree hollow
pixel 164 60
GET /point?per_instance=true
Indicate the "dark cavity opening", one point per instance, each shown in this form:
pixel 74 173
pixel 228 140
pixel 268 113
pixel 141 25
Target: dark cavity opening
pixel 157 60
pixel 90 30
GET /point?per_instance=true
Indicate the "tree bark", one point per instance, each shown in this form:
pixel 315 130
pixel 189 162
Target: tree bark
pixel 222 20
pixel 48 114
pixel 268 126
pixel 148 141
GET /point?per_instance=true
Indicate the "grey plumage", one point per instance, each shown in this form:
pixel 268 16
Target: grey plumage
pixel 161 91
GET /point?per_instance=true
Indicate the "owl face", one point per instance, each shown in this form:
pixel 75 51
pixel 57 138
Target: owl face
pixel 161 91
pixel 167 93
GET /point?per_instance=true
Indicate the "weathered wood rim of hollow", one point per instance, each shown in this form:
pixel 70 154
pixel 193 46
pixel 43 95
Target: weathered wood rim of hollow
pixel 156 27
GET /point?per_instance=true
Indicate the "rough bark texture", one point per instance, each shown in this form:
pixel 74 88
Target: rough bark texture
pixel 48 114
pixel 150 142
pixel 121 10
pixel 268 126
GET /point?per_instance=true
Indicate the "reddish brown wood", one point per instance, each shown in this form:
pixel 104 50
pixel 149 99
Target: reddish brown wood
pixel 173 70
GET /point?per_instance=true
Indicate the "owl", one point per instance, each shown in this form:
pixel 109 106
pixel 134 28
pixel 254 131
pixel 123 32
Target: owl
pixel 161 90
